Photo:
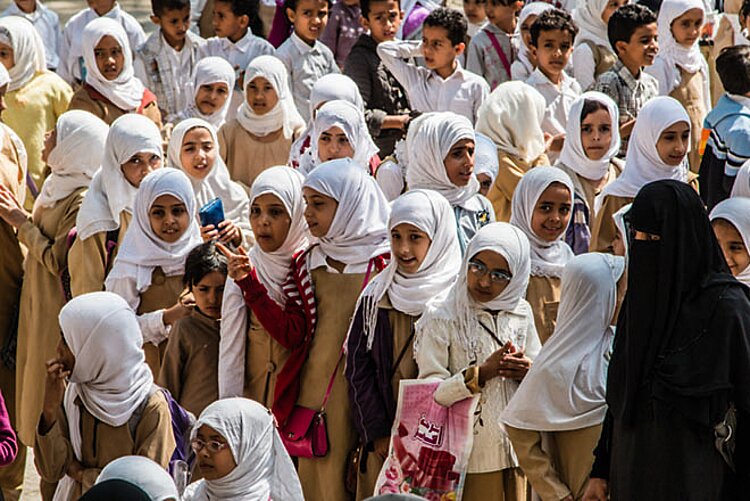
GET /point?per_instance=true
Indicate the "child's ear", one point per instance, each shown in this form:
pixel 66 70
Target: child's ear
pixel 290 14
pixel 533 50
pixel 156 20
pixel 364 23
pixel 244 21
pixel 460 48
pixel 620 47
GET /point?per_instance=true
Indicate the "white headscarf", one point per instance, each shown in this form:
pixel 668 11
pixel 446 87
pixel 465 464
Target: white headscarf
pixel 110 374
pixel 144 473
pixel 642 162
pixel 358 232
pixel 272 268
pixel 736 211
pixel 211 70
pixel 142 250
pixel 284 114
pixel 566 386
pixel 4 76
pixel 512 117
pixel 619 219
pixel 217 182
pixel 109 192
pixel 485 156
pixel 75 158
pixel 588 18
pixel 410 293
pixel 573 155
pixel 264 470
pixel 741 186
pixel 427 150
pixel 28 50
pixel 349 119
pixel 530 9
pixel 672 53
pixel 125 91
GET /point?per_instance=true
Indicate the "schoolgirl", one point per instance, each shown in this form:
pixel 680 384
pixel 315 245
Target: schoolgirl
pixel 213 81
pixel 730 220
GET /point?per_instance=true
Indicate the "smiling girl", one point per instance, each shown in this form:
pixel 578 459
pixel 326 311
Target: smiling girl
pixel 730 220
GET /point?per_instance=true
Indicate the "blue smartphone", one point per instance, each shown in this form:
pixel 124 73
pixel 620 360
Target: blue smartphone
pixel 212 213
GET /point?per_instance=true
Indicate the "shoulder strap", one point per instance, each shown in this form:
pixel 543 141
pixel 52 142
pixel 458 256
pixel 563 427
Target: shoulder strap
pixel 494 336
pixel 403 352
pixel 499 50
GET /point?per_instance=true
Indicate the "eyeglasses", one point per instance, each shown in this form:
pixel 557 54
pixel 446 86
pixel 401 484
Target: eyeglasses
pixel 213 446
pixel 496 276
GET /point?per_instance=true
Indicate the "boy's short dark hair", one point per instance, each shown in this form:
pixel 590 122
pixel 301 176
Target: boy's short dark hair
pixel 292 4
pixel 247 8
pixel 364 6
pixel 453 21
pixel 625 21
pixel 733 67
pixel 201 261
pixel 551 20
pixel 745 9
pixel 160 7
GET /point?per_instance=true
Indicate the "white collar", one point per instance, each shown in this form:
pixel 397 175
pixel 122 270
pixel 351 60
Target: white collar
pixel 243 44
pixel 457 73
pixel 301 45
pixel 538 77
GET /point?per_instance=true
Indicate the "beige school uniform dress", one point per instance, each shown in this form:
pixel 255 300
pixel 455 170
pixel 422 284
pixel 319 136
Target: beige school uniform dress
pixel 603 231
pixel 543 295
pixel 584 187
pixel 264 358
pixel 88 99
pixel 511 170
pixel 691 93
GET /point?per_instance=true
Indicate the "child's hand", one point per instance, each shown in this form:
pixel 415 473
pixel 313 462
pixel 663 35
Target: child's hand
pixel 54 392
pixel 174 313
pixel 209 232
pixel 75 471
pixel 491 367
pixel 229 233
pixel 514 365
pixel 10 210
pixel 554 143
pixel 238 265
pixel 626 128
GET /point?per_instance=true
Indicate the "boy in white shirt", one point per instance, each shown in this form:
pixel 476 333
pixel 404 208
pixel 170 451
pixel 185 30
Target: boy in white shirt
pixel 71 54
pixel 491 52
pixel 443 85
pixel 46 22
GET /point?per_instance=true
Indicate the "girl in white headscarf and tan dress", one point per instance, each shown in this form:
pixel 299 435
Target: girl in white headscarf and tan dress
pixel 110 87
pixel 110 407
pixel 730 220
pixel 213 81
pixel 132 150
pixel 555 417
pixel 73 152
pixel 266 125
pixel 150 264
pixel 593 54
pixel 480 339
pixel 665 119
pixel 425 261
pixel 542 205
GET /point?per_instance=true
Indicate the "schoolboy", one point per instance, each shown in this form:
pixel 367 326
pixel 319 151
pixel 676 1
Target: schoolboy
pixel 491 52
pixel 442 85
pixel 632 33
pixel 165 62
pixel 386 106
pixel 45 21
pixel 306 58
pixel 726 129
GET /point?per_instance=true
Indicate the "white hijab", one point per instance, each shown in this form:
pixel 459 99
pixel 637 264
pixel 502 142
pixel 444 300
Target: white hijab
pixel 110 375
pixel 351 120
pixel 217 183
pixel 4 75
pixel 588 18
pixel 642 162
pixel 264 470
pixel 410 293
pixel 547 258
pixel 125 91
pixel 211 70
pixel 110 193
pixel 142 250
pixel 358 232
pixel 566 386
pixel 427 150
pixel 272 268
pixel 573 156
pixel 75 158
pixel 670 52
pixel 512 117
pixel 144 473
pixel 736 211
pixel 28 50
pixel 530 9
pixel 741 186
pixel 485 157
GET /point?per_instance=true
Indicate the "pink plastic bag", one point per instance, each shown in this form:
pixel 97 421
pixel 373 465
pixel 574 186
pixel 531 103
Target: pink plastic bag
pixel 430 444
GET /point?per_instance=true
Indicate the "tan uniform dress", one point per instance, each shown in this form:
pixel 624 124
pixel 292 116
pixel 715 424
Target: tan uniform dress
pixel 87 259
pixel 583 187
pixel 41 300
pixel 247 155
pixel 543 294
pixel 511 170
pixel 107 111
pixel 604 58
pixel 336 296
pixel 191 362
pixel 690 94
pixel 101 443
pixel 401 328
pixel 264 358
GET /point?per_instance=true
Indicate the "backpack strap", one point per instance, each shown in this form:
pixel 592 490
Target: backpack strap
pixel 500 51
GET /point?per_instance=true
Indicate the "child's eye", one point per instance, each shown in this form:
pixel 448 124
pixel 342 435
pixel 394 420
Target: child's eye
pixel 414 237
pixel 255 211
pixel 277 212
pixel 157 213
pixel 737 248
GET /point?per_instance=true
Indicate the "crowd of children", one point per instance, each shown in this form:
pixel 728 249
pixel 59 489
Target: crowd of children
pixel 217 247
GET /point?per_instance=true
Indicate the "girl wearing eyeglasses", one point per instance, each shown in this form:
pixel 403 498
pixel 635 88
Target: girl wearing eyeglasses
pixel 481 339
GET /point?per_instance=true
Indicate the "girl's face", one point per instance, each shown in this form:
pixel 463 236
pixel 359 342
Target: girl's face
pixel 673 143
pixel 732 245
pixel 198 152
pixel 611 7
pixel 6 56
pixel 210 98
pixel 686 29
pixel 139 166
pixel 50 141
pixel 551 212
pixel 214 464
pixel 109 57
pixel 618 244
pixel 319 211
pixel 208 294
pixel 270 222
pixel 409 246
pixel 261 96
pixel 526 30
pixel 169 218
pixel 334 144
pixel 596 134
pixel 485 183
pixel 488 276
pixel 459 164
